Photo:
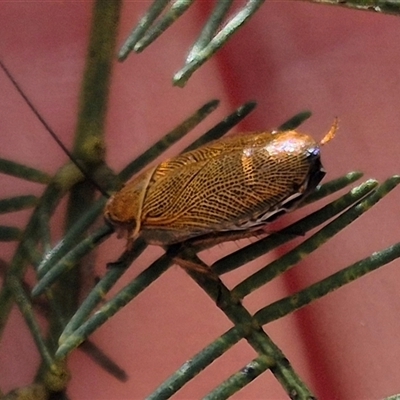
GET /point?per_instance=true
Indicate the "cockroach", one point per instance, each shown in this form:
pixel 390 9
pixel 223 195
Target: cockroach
pixel 234 183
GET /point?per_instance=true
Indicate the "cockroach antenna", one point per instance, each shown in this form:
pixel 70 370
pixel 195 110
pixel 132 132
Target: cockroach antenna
pixel 51 132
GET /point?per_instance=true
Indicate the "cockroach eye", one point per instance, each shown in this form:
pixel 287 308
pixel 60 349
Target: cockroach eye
pixel 314 152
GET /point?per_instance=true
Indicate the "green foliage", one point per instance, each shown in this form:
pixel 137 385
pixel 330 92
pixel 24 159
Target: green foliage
pixel 70 323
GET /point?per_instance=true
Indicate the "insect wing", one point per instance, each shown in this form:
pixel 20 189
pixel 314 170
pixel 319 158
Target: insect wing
pixel 232 184
pixel 212 150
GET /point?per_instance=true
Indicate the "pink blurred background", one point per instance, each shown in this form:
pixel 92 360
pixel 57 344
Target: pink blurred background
pixel 292 56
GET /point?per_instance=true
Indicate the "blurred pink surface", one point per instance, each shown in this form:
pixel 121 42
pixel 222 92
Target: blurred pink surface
pixel 293 56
